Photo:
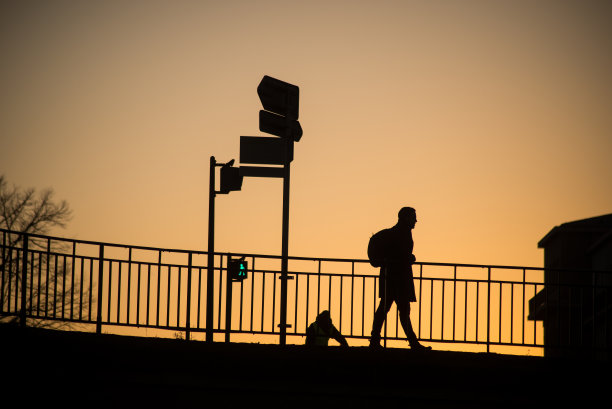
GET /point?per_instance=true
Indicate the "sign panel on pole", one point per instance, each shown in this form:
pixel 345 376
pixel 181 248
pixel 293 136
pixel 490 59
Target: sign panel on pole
pixel 279 126
pixel 281 103
pixel 265 151
pixel 279 97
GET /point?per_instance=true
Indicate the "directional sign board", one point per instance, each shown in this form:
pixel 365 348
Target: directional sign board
pixel 279 125
pixel 281 103
pixel 279 97
pixel 264 151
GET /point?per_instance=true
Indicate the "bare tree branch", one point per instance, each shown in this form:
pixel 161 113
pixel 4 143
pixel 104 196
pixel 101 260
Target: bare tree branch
pixel 26 211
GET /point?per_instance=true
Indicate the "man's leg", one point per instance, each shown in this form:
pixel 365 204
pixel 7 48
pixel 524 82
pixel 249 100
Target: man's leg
pixel 403 305
pixel 379 318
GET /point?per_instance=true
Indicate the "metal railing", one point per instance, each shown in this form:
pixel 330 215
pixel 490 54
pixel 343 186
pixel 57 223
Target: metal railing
pixel 115 287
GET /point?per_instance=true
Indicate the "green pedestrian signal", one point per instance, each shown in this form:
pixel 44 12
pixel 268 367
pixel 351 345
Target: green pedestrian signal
pixel 238 269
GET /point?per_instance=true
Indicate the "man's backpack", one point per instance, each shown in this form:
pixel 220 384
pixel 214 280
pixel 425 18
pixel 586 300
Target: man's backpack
pixel 376 248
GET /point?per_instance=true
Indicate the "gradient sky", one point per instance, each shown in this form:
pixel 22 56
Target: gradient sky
pixel 491 118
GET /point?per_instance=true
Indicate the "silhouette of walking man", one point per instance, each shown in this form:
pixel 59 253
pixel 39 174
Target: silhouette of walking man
pixel 320 331
pixel 396 280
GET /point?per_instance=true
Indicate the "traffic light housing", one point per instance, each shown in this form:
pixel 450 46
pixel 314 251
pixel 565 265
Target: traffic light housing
pixel 231 179
pixel 237 269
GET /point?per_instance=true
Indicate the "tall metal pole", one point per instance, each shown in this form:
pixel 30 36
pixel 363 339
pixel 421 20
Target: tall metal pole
pixel 210 278
pixel 285 248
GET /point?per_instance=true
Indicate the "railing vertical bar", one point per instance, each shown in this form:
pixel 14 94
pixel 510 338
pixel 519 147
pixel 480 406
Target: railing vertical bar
pixel 340 298
pixel 511 312
pixel 319 289
pixel 443 281
pixel 363 286
pixel 24 280
pixel 55 286
pixel 352 295
pixel 263 297
pixel 47 268
pixel 129 286
pixel 228 302
pixel 499 338
pixel 188 306
pixel 31 256
pixel 63 286
pixel 110 288
pixel 252 291
pixel 148 300
pixel 91 260
pixel 488 307
pixel 199 301
pixel 40 262
pixel 307 299
pixel 274 278
pixel 72 281
pixel 100 285
pixel 420 298
pixel 241 305
pixel 221 278
pixel 157 300
pixel 431 309
pixel 535 328
pixel 81 288
pixel 465 312
pixel 16 292
pixel 168 294
pixel 178 297
pixel 329 293
pixel 119 276
pixel 454 300
pixel 295 311
pixel 477 310
pixel 375 294
pixel 523 309
pixel 138 288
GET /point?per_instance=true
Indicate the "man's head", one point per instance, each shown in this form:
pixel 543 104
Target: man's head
pixel 407 217
pixel 324 319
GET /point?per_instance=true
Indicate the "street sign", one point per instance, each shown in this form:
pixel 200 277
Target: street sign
pixel 279 97
pixel 265 151
pixel 279 126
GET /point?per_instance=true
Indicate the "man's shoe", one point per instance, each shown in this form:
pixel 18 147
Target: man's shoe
pixel 420 347
pixel 375 344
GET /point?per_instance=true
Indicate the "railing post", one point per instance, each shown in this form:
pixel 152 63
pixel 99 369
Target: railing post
pixel 488 308
pixel 228 301
pixel 100 283
pixel 187 324
pixel 24 281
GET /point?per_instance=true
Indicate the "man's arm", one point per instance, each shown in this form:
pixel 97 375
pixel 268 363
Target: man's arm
pixel 339 337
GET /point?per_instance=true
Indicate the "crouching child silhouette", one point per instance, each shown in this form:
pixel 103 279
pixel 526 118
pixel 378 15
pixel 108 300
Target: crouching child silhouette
pixel 391 250
pixel 320 331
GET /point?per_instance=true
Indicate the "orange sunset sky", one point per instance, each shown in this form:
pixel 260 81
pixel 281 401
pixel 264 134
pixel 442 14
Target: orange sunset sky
pixel 491 118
